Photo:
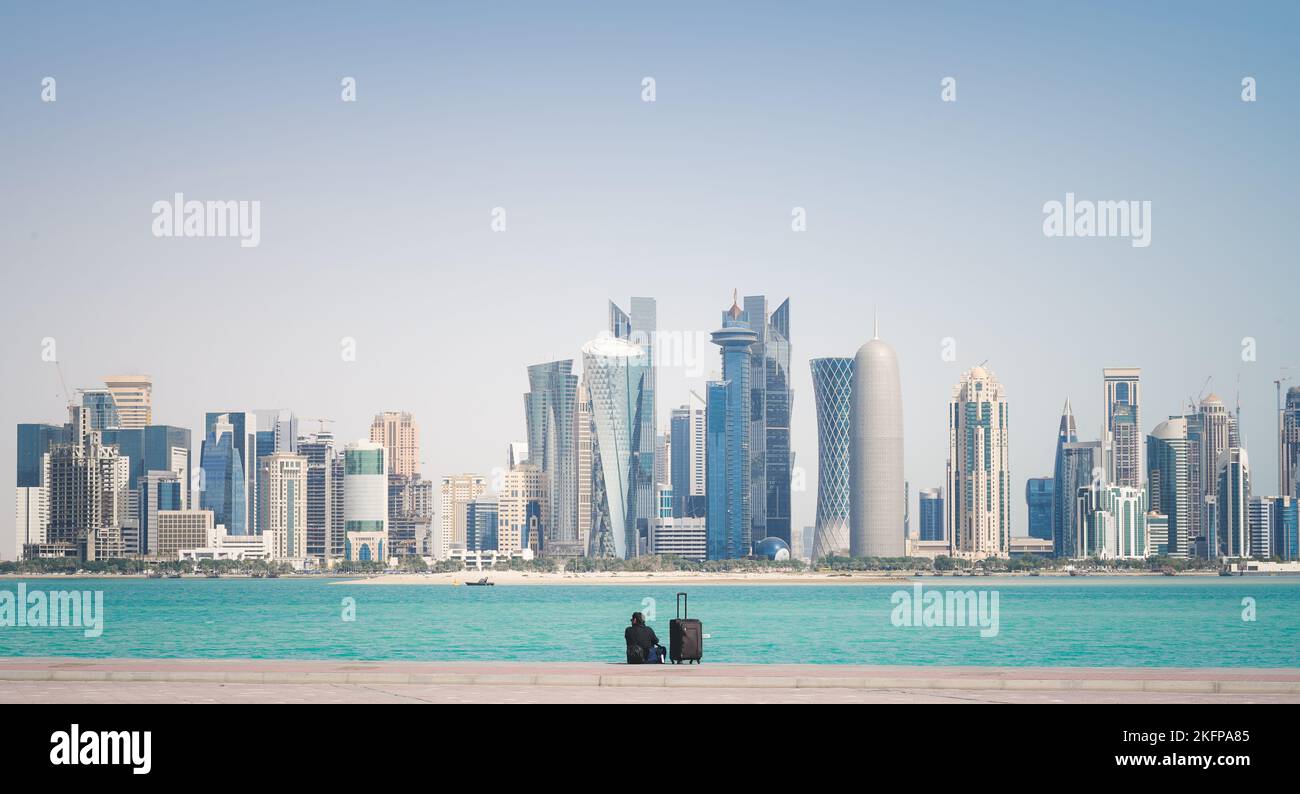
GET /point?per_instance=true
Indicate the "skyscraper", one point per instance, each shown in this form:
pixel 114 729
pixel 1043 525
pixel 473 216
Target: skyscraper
pixel 640 328
pixel 282 481
pixel 550 407
pixel 1169 482
pixel 1062 496
pixel 1284 519
pixel 833 397
pixel 930 501
pixel 87 487
pixel 876 505
pixel 318 448
pixel 688 456
pixel 771 401
pixel 1111 522
pixel 1123 425
pixel 1291 443
pixel 1213 431
pixel 729 524
pixel 522 496
pixel 615 372
pixel 365 502
pixel 400 435
pixel 133 397
pixel 1233 499
pixel 455 494
pixel 1040 496
pixel 100 409
pixel 481 524
pixel 243 441
pixel 979 469
pixel 224 481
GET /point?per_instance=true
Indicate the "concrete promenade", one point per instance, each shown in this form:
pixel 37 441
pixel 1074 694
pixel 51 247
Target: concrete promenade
pixel 255 680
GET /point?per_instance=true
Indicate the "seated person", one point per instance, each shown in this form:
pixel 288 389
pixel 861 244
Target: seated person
pixel 642 645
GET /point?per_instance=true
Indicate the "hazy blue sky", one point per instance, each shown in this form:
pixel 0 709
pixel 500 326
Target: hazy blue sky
pixel 376 214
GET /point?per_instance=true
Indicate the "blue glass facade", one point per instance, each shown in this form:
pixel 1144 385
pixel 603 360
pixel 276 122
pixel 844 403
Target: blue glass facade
pixel 100 409
pixel 716 469
pixel 224 481
pixel 1285 520
pixel 34 440
pixel 1040 495
pixel 731 531
pixel 931 510
pixel 770 398
pixel 481 522
pixel 243 442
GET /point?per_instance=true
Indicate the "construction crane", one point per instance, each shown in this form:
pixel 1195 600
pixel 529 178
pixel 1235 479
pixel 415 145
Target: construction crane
pixel 320 423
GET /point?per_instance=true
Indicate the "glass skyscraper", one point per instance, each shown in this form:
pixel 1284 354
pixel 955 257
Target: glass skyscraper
pixel 550 408
pixel 615 373
pixel 1040 495
pixel 729 527
pixel 224 481
pixel 640 327
pixel 931 503
pixel 771 456
pixel 833 396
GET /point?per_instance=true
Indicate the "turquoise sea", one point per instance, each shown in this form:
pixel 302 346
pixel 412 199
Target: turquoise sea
pixel 1095 622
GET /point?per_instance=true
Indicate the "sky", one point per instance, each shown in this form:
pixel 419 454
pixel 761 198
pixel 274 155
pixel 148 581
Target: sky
pixel 376 215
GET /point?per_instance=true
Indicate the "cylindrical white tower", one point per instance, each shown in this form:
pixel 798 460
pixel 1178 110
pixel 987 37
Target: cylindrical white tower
pixel 876 454
pixel 365 500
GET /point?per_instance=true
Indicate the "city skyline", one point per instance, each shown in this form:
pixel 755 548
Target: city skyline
pixel 681 199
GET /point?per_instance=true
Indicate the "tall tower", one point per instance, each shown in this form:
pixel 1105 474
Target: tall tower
pixel 615 371
pixel 1233 500
pixel 282 480
pixel 979 468
pixel 770 454
pixel 133 395
pixel 550 407
pixel 833 395
pixel 1290 474
pixel 400 435
pixel 457 491
pixel 1172 492
pixel 876 453
pixel 729 528
pixel 640 328
pixel 365 501
pixel 1123 426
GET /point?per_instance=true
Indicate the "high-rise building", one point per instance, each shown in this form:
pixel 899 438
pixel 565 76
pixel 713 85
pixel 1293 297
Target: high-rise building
pixel 410 513
pixel 729 523
pixel 87 492
pixel 277 431
pixel 1285 522
pixel 640 327
pixel 663 459
pixel 224 480
pixel 1259 515
pixel 550 407
pixel 688 456
pixel 1169 483
pixel 1290 442
pixel 456 492
pixel 516 454
pixel 522 498
pixel 877 498
pixel 1123 426
pixel 716 495
pixel 1233 499
pixel 1111 522
pixel 100 409
pixel 771 401
pixel 482 516
pixel 615 372
pixel 318 448
pixel 1063 490
pixel 1040 496
pixel 159 490
pixel 1209 433
pixel 1157 534
pixel 31 506
pixel 979 469
pixel 833 397
pixel 400 435
pixel 233 456
pixel 930 502
pixel 282 501
pixel 584 447
pixel 337 536
pixel 365 501
pixel 133 397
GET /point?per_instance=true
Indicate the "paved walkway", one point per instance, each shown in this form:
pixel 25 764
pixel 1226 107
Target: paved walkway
pixel 258 680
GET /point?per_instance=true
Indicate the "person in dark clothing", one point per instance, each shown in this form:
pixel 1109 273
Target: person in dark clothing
pixel 642 645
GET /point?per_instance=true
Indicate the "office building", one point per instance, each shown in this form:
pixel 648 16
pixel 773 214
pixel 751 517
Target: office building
pixel 1169 483
pixel 640 328
pixel 729 522
pixel 399 433
pixel 615 372
pixel 184 529
pixel 1040 496
pixel 456 492
pixel 550 407
pixel 1233 499
pixel 282 500
pixel 771 401
pixel 231 469
pixel 833 398
pixel 365 502
pixel 1123 426
pixel 687 474
pixel 482 516
pixel 930 502
pixel 979 471
pixel 133 399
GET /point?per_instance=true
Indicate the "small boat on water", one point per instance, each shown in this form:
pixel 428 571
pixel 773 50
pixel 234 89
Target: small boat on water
pixel 155 574
pixel 481 583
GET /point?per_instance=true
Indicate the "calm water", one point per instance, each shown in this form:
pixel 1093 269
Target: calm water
pixel 1160 622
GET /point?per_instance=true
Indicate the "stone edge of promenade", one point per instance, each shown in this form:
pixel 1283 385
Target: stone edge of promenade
pixel 697 679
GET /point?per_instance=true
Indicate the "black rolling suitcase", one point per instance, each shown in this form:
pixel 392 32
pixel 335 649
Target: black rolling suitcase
pixel 685 636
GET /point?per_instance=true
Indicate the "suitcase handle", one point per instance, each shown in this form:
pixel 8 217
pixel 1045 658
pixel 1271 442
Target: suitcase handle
pixel 681 605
